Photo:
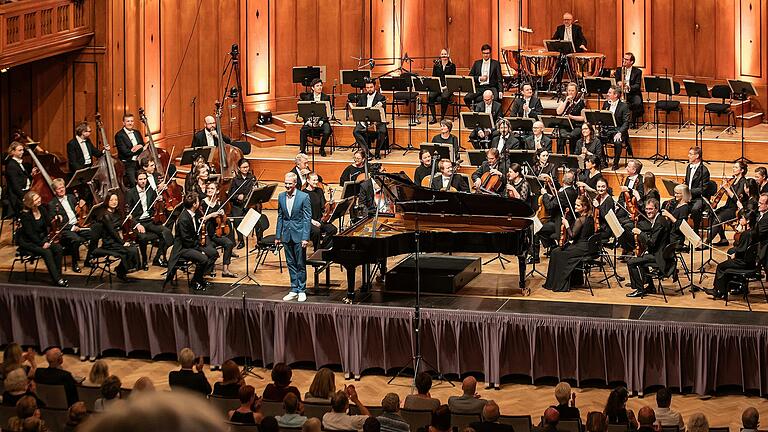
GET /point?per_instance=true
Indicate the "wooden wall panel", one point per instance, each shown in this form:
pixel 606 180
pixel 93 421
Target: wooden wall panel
pixel 509 21
pixel 435 24
pixel 385 24
pixel 725 65
pixel 457 30
pixel 257 47
pixel 152 62
pixel 413 33
pixel 633 29
pixel 85 90
pixel 480 30
pixel 329 31
pixel 705 39
pixel 663 41
pixel 685 30
pixel 750 46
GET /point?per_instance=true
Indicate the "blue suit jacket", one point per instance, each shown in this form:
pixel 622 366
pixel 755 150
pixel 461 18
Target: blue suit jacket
pixel 296 227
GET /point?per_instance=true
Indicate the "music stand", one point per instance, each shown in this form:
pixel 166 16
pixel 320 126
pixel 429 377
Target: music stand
pixel 258 195
pixel 473 120
pixel 522 125
pixel 697 90
pixel 309 109
pixel 660 85
pixel 476 157
pixel 355 79
pixel 394 84
pixel 189 155
pixel 520 157
pixel 341 209
pixel 742 90
pixel 426 85
pixel 445 151
pixel 304 75
pixel 368 115
pixel 564 48
pixel 457 85
pixel 556 123
pixel 567 162
pixel 598 85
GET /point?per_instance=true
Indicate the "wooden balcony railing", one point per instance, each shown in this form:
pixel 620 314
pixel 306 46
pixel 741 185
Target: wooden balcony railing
pixel 36 29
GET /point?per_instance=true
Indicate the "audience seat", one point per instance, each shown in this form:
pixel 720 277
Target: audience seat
pixel 223 405
pixel 272 408
pixel 570 426
pixel 520 423
pixel 6 413
pixel 670 428
pixel 461 421
pixel 719 429
pixel 241 427
pixel 617 428
pixel 55 419
pixel 289 429
pixel 375 411
pixel 316 410
pixel 54 396
pixel 89 395
pixel 417 419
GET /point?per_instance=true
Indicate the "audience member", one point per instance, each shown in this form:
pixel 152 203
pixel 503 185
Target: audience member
pixel 55 374
pixel 490 421
pixel 110 393
pixel 422 400
pixel 231 381
pixel 596 422
pixel 159 411
pixel 245 413
pixel 269 424
pixel 441 419
pixel 322 388
pixel 15 358
pixel 188 379
pixel 698 422
pixel 372 425
pixel 338 419
pixel 33 424
pixel 312 425
pixel 26 407
pixel 76 415
pixel 391 420
pixel 550 420
pixel 469 402
pixel 291 418
pixel 564 394
pixel 616 408
pixel 143 385
pixel 647 420
pixel 750 419
pixel 99 372
pixel 17 385
pixel 665 415
pixel 281 384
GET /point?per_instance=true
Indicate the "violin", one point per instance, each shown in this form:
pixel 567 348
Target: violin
pixel 720 192
pixel 563 229
pixel 203 235
pixel 330 207
pixel 596 218
pixel 54 233
pixel 81 211
pixel 159 216
pixel 129 230
pixel 542 214
pixel 222 226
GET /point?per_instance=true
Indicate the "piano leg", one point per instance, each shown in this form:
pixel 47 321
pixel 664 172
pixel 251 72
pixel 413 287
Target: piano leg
pixel 521 263
pixel 351 269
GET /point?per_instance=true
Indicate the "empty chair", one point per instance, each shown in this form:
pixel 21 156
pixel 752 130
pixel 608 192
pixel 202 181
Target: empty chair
pixel 419 418
pixel 271 408
pixel 223 405
pixel 316 409
pixel 520 423
pixel 54 396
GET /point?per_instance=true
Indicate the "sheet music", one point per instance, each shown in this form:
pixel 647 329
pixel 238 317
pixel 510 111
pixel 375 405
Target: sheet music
pixel 249 221
pixel 614 224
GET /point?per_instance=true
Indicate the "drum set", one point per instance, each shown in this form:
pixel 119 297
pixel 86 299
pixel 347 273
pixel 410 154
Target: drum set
pixel 537 66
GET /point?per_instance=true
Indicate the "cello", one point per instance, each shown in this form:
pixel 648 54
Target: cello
pixel 41 182
pixel 109 176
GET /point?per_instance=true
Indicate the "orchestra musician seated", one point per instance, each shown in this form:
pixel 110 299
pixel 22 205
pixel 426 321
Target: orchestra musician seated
pixel 301 169
pixel 487 74
pixel 493 166
pixel 443 66
pixel 353 170
pixel 731 188
pixel 738 258
pixel 208 137
pixel 114 239
pixel 189 244
pixel 590 175
pixel 631 188
pixel 220 232
pixel 618 135
pixel 569 31
pixel 81 153
pixel 371 99
pixel 653 235
pixel 571 107
pixel 140 199
pixel 630 79
pixel 153 177
pixel 761 177
pixel 319 126
pixel 197 180
pixel 543 166
pixel 589 144
pixel 538 140
pixel 18 177
pixel 34 236
pixel 555 205
pixel 563 260
pixel 242 184
pixel 517 186
pixel 503 141
pixel 604 203
pixel 480 137
pixel 677 210
pixel 66 207
pixel 528 105
pixel 425 167
pixel 321 233
pixel 446 137
pixel 448 180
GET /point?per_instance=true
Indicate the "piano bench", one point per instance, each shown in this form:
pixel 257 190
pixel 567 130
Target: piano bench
pixel 320 265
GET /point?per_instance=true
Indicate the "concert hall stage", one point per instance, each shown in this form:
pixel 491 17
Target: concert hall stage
pixel 641 344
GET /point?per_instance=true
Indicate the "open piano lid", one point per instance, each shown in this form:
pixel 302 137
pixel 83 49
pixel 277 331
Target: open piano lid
pixel 400 188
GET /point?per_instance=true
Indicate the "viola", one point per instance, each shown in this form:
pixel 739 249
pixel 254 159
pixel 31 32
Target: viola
pixel 54 233
pixel 159 216
pixel 222 225
pixel 81 211
pixel 330 207
pixel 203 235
pixel 596 218
pixel 563 229
pixel 719 195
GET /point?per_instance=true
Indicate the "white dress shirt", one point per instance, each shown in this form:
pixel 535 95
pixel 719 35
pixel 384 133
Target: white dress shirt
pixel 209 138
pixel 489 108
pixel 485 70
pixel 151 181
pixel 71 216
pixel 84 149
pixel 632 180
pixel 568 34
pixel 132 137
pixel 21 164
pixel 613 105
pixel 289 199
pixel 694 167
pixel 144 203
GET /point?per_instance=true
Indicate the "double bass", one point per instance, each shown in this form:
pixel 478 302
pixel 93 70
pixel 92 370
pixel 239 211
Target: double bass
pixel 228 155
pixel 41 182
pixel 160 157
pixel 109 176
pixel 173 193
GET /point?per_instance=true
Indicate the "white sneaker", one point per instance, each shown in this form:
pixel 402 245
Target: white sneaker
pixel 302 297
pixel 290 296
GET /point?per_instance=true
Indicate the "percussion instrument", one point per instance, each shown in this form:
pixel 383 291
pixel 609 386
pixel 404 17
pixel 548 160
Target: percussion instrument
pixel 539 63
pixel 511 55
pixel 586 64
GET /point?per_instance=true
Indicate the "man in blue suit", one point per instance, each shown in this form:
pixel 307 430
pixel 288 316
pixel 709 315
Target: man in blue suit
pixel 294 222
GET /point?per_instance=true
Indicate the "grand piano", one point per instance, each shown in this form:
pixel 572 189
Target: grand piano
pixel 455 222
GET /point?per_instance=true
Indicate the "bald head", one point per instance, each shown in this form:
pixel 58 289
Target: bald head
pixel 491 411
pixel 210 123
pixel 646 416
pixel 469 385
pixel 750 418
pixel 54 357
pixel 487 97
pixel 551 416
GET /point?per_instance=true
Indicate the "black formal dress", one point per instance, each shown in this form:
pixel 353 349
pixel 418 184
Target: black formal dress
pixel 350 174
pixel 127 157
pixel 604 205
pixel 443 97
pixel 18 179
pixel 323 128
pixel 655 236
pixel 107 229
pixel 727 211
pixel 595 147
pixel 549 233
pixel 680 212
pixel 31 237
pixel 493 84
pixel 453 140
pixel 421 172
pixel 563 260
pixel 322 236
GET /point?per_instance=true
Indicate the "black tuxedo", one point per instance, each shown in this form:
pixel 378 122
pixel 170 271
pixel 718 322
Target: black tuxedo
pixel 494 81
pixel 577 35
pixel 534 104
pixel 546 143
pixel 381 129
pixel 486 167
pixel 457 182
pixel 474 137
pixel 511 143
pixel 71 240
pixel 187 245
pixel 16 176
pixel 655 237
pixel 444 96
pixel 152 231
pixel 187 379
pixel 495 111
pixel 124 153
pixel 75 156
pixel 323 130
pixel 634 96
pixel 698 188
pixel 622 117
pixel 199 139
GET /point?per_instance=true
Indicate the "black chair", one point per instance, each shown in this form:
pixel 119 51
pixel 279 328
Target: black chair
pixel 742 277
pixel 670 428
pixel 54 395
pixel 223 405
pixel 418 419
pixel 670 258
pixel 722 92
pixel 89 394
pixel 316 410
pixel 593 259
pixel 460 421
pixel 320 265
pixel 669 106
pixel 569 426
pixel 520 423
pixel 102 259
pixel 266 245
pixel 241 427
pixel 27 259
pixel 618 428
pixel 6 413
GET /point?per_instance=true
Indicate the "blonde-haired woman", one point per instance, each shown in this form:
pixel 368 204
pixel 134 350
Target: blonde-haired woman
pixel 33 237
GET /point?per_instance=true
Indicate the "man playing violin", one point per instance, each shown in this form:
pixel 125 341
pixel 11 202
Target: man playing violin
pixel 140 200
pixel 654 235
pixel 448 180
pixel 493 165
pixel 153 178
pixel 66 207
pixel 321 233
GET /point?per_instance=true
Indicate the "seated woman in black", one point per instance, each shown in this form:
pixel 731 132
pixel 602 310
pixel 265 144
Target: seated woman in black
pixel 604 203
pixel 33 236
pixel 590 175
pixel 211 205
pixel 109 231
pixel 677 210
pixel 517 185
pixel 446 137
pixel 563 260
pixel 245 414
pixel 616 409
pixel 739 259
pixel 589 144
